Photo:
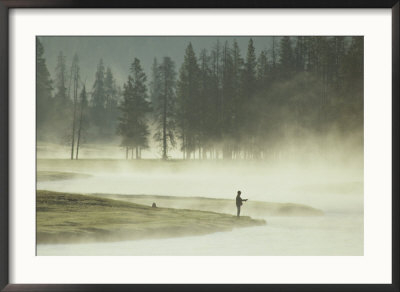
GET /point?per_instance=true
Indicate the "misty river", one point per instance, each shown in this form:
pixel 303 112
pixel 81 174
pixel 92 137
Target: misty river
pixel 337 191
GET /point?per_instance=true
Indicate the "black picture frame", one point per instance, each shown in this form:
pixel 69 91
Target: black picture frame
pixel 6 5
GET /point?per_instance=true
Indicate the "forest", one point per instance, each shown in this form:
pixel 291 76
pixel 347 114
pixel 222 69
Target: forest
pixel 220 103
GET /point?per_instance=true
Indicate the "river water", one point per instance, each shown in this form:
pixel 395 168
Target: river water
pixel 338 192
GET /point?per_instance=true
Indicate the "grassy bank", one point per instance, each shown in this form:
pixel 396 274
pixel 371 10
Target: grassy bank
pixel 72 218
pixel 58 175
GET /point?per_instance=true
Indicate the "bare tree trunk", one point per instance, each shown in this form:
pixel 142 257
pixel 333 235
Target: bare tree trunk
pixel 69 95
pixel 127 153
pixel 184 148
pixel 74 117
pixel 165 125
pixel 77 145
pixel 79 130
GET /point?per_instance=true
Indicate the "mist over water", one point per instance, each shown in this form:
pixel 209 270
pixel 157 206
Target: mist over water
pixel 336 188
pixel 328 189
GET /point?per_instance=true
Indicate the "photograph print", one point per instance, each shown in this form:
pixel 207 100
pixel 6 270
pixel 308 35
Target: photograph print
pixel 200 145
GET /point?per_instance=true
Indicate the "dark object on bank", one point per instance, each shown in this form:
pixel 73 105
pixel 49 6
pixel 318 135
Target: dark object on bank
pixel 154 205
pixel 239 202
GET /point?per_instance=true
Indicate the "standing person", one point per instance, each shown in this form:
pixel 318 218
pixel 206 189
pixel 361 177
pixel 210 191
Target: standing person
pixel 239 202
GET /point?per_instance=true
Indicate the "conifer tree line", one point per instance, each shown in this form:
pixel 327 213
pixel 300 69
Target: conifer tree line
pixel 219 104
pixel 69 113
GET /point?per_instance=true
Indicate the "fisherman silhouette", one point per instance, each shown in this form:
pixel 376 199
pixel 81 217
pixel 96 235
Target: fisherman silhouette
pixel 239 202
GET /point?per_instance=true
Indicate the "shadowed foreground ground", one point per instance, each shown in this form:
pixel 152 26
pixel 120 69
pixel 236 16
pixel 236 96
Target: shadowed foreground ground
pixel 73 218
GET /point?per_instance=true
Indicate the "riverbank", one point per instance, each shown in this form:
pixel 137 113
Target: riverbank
pixel 77 218
pixel 254 208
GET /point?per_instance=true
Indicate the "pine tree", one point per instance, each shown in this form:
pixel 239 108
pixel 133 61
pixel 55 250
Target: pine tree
pixel 216 99
pixel 111 106
pixel 164 105
pixel 262 70
pixel 155 86
pixel 227 102
pixel 76 80
pixel 82 121
pixel 43 91
pixel 249 85
pixel 61 80
pixel 286 58
pixel 61 109
pixel 207 110
pixel 99 102
pixel 133 125
pixel 250 68
pixel 188 102
pixel 238 99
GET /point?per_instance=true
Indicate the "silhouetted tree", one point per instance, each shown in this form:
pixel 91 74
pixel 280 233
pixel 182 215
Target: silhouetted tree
pixel 188 102
pixel 165 105
pixel 43 91
pixel 99 102
pixel 82 122
pixel 133 125
pixel 76 79
pixel 111 105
